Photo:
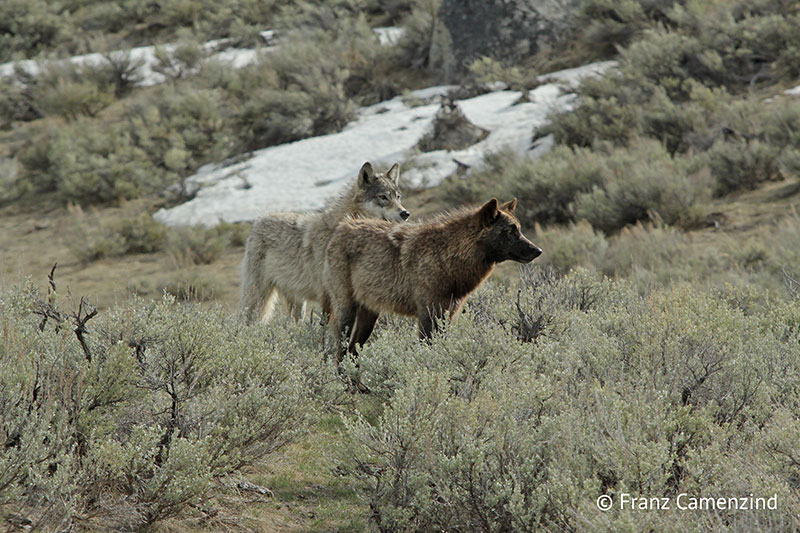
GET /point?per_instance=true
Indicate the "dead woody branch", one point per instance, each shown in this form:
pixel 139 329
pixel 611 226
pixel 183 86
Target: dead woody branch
pixel 47 309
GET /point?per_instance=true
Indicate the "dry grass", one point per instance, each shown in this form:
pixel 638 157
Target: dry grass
pixel 308 495
pixel 34 237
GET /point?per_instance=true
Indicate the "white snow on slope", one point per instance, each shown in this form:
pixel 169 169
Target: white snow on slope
pixel 572 76
pixel 145 55
pixel 237 57
pixel 302 175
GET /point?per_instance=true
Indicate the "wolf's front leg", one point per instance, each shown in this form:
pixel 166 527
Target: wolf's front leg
pixel 430 320
pixel 365 323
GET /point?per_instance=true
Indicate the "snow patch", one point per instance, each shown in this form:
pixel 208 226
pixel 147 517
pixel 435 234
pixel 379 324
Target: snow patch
pixel 144 56
pixel 302 175
pixel 571 77
pixel 389 35
pixel 218 49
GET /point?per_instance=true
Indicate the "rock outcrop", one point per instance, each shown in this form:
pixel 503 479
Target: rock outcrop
pixel 506 30
pixel 452 130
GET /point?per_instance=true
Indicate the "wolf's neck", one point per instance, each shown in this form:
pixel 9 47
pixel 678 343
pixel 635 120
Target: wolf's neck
pixel 345 205
pixel 463 258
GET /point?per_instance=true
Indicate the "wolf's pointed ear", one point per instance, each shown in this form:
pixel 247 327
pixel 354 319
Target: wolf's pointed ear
pixel 488 212
pixel 394 174
pixel 509 206
pixel 366 175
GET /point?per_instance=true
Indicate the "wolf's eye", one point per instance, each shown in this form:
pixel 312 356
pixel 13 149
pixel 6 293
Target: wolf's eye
pixel 383 198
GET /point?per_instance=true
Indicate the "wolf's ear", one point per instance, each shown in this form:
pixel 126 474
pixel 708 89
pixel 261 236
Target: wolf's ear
pixel 488 212
pixel 394 174
pixel 366 175
pixel 509 206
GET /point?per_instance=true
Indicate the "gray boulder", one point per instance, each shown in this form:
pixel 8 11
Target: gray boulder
pixel 452 130
pixel 505 30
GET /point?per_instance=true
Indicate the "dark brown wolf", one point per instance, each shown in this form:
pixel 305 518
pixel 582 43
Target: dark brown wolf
pixel 424 270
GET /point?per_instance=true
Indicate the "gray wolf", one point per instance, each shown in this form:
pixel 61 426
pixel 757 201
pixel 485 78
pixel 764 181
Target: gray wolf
pixel 285 252
pixel 424 270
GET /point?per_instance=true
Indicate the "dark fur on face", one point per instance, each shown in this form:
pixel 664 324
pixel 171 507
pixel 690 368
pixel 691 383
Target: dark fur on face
pixel 503 239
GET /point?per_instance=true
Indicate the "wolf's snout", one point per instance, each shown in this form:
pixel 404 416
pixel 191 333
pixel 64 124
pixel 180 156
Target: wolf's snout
pixel 530 253
pixel 404 214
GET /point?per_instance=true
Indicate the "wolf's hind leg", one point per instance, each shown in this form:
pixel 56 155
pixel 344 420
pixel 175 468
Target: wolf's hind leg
pixel 341 324
pixel 297 308
pixel 430 321
pixel 258 303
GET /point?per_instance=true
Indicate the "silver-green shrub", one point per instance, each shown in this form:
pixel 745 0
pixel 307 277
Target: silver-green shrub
pixel 610 187
pixel 674 391
pixel 642 183
pixel 166 399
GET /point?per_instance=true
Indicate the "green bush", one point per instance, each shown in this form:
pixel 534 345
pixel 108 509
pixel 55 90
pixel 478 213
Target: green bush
pixel 546 188
pixel 486 70
pixel 182 129
pixel 778 241
pixel 672 82
pixel 781 123
pixel 142 235
pixel 608 109
pixel 15 104
pixel 741 44
pixel 619 108
pixel 71 99
pixel 642 183
pixel 547 194
pixel 137 425
pixel 29 27
pixel 90 240
pixel 189 285
pixel 305 87
pixel 328 63
pixel 84 164
pixel 67 90
pixel 606 25
pixel 610 188
pixel 179 61
pixel 158 142
pixel 716 48
pixel 74 27
pixel 276 117
pixel 576 245
pixel 235 233
pixel 679 391
pixel 118 70
pixel 196 245
pixel 656 256
pixel 743 165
